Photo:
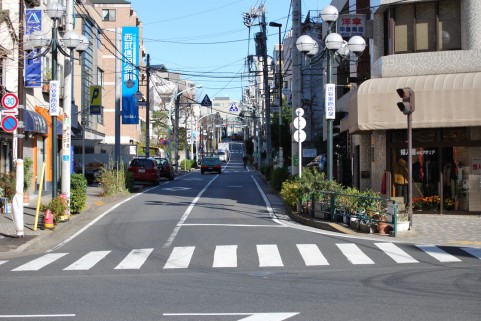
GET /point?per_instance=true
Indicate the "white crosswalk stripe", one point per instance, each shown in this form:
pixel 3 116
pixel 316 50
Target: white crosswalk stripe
pixel 40 262
pixel 397 254
pixel 87 261
pixel 438 254
pixel 269 255
pixel 354 254
pixel 225 256
pixel 474 251
pixel 134 260
pixel 180 258
pixel 311 255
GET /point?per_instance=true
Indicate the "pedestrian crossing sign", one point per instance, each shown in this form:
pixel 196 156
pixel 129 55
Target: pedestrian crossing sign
pixel 206 102
pixel 233 108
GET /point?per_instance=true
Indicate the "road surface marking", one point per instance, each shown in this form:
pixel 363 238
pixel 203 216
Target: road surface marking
pixel 87 261
pixel 134 260
pixel 3 261
pixel 36 316
pixel 312 255
pixel 251 316
pixel 180 258
pixel 438 254
pixel 269 255
pixel 186 215
pixel 98 218
pixel 268 204
pixel 225 256
pixel 397 254
pixel 40 262
pixel 474 251
pixel 233 225
pixel 354 254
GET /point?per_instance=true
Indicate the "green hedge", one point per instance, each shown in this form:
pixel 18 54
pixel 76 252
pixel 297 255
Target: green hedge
pixel 78 193
pixel 278 176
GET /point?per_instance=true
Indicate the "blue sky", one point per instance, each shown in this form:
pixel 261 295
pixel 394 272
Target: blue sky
pixel 207 40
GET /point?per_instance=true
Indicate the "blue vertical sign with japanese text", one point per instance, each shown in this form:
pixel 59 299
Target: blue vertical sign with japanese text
pixel 33 66
pixel 130 59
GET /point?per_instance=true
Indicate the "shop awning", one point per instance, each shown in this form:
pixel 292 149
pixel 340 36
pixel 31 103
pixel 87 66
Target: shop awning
pixel 34 122
pixel 449 100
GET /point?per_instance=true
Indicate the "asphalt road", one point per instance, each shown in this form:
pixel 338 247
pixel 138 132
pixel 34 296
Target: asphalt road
pixel 207 247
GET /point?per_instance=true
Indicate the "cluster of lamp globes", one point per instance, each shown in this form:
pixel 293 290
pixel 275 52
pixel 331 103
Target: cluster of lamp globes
pixel 70 39
pixel 333 41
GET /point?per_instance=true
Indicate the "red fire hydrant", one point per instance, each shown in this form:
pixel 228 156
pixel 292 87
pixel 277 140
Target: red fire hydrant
pixel 48 219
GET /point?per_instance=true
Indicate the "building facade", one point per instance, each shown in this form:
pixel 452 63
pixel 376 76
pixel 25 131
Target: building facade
pixel 434 48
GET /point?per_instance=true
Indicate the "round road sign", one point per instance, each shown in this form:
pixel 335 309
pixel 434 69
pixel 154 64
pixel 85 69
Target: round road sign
pixel 10 101
pixel 299 135
pixel 9 123
pixel 299 122
pixel 299 112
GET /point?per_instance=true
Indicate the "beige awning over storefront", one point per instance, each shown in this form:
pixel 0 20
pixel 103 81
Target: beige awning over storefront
pixel 449 100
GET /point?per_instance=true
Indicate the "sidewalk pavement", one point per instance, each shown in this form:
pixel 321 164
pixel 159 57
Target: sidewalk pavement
pixel 441 229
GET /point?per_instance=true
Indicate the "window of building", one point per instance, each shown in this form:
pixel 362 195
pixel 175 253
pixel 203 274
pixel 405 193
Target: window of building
pixel 424 27
pixel 108 15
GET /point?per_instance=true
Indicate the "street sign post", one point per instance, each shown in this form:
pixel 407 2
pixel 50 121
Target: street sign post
pixel 10 101
pixel 9 123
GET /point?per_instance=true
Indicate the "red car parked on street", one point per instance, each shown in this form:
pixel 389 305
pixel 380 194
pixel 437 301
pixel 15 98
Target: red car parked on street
pixel 145 170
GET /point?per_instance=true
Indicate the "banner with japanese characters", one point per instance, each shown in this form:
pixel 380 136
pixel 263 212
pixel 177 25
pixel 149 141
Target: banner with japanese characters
pixel 130 61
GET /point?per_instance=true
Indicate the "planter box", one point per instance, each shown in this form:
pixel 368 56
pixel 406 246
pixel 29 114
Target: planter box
pixel 402 226
pixel 366 228
pixel 322 214
pixel 355 223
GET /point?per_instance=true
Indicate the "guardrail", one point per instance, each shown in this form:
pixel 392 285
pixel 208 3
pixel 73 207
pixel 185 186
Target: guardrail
pixel 361 213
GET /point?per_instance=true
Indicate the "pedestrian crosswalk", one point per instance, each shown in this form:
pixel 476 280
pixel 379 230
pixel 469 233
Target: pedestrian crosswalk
pixel 264 256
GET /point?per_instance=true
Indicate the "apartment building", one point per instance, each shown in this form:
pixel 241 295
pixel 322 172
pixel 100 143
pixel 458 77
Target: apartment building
pixel 119 14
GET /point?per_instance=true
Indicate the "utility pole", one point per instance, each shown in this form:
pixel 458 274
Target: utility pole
pixel 18 199
pixel 267 98
pixel 118 93
pixel 176 132
pixel 296 78
pixel 147 111
pixel 67 109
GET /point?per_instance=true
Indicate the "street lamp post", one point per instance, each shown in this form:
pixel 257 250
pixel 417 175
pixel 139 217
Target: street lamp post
pixel 38 40
pixel 334 45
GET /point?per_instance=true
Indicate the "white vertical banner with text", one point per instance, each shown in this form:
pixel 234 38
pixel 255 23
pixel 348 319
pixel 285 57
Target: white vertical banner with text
pixel 330 102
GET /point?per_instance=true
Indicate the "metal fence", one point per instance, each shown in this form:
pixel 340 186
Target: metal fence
pixel 362 213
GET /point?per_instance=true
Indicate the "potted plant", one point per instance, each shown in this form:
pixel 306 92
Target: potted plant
pixel 27 178
pixel 57 206
pixel 8 188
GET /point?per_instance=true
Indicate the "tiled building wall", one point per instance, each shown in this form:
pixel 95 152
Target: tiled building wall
pixel 430 63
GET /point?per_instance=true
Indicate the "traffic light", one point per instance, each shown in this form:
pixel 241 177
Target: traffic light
pixel 407 105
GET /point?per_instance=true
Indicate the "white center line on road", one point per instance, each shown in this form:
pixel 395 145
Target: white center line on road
pixel 35 316
pixel 233 225
pixel 186 214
